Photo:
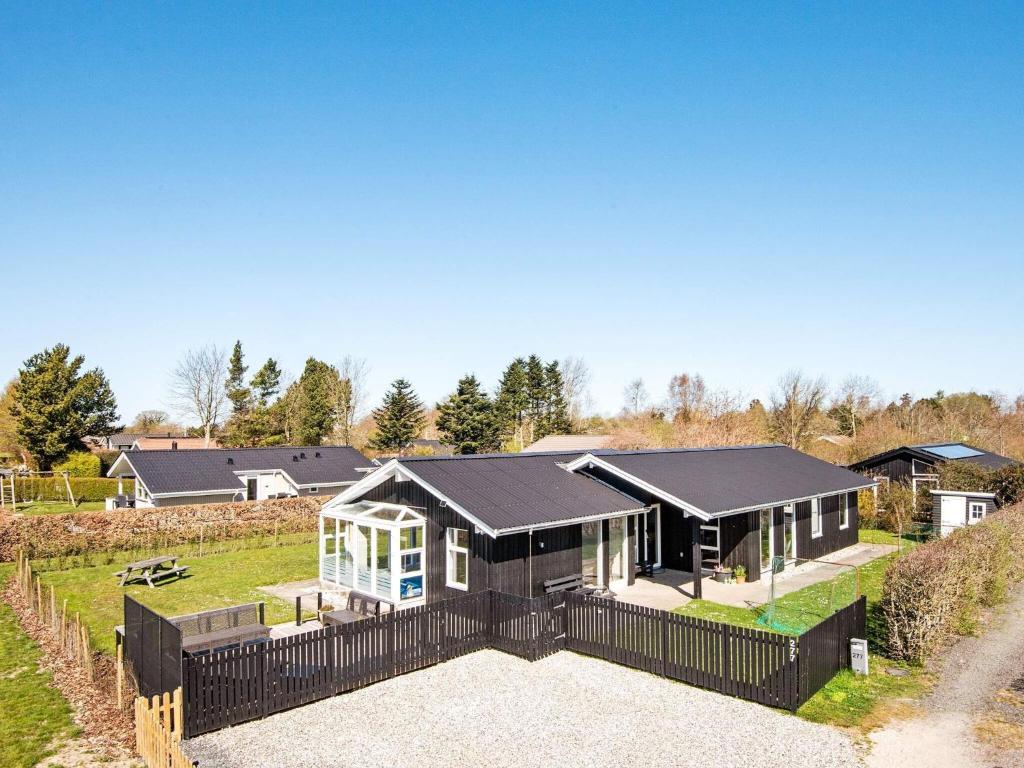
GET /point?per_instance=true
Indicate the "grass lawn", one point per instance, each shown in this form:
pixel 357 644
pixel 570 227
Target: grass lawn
pixel 214 581
pixel 848 700
pixel 57 507
pixel 34 717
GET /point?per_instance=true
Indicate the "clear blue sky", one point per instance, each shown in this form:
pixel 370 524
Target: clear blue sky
pixel 735 190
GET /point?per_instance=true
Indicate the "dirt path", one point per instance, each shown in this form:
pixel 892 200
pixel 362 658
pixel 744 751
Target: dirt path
pixel 974 718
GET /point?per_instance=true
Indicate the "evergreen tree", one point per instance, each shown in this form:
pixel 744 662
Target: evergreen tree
pixel 512 402
pixel 267 382
pixel 400 419
pixel 319 411
pixel 537 395
pixel 55 405
pixel 466 420
pixel 555 419
pixel 237 392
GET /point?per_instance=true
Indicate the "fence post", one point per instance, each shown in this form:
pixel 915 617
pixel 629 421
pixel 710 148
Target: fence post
pixel 725 656
pixel 664 643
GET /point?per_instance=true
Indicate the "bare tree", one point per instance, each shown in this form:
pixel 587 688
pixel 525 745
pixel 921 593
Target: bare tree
pixel 576 388
pixel 686 397
pixel 197 386
pixel 795 403
pixel 352 395
pixel 636 397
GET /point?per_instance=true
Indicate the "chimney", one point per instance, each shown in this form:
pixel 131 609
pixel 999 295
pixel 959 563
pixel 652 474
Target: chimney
pixel 174 445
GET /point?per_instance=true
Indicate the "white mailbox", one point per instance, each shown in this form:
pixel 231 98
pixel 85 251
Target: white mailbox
pixel 859 655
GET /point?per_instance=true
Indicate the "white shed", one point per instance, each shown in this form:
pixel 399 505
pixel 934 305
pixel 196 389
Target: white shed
pixel 955 509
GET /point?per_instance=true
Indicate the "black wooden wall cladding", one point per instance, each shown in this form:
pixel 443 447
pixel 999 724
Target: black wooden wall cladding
pixel 234 686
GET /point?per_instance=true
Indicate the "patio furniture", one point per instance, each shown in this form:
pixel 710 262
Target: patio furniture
pixel 222 628
pixel 359 606
pixel 154 568
pixel 646 568
pixel 573 583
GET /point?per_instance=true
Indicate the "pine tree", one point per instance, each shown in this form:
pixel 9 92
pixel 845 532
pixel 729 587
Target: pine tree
pixel 555 420
pixel 319 412
pixel 267 382
pixel 400 419
pixel 237 392
pixel 512 402
pixel 55 405
pixel 537 395
pixel 466 420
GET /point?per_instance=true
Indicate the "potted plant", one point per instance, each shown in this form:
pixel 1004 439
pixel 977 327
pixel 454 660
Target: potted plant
pixel 740 574
pixel 721 574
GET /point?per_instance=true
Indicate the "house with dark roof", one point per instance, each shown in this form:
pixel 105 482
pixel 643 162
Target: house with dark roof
pixel 421 529
pixel 169 477
pixel 918 465
pixel 150 441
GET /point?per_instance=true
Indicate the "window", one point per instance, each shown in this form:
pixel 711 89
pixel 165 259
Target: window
pixel 977 510
pixel 457 547
pixel 844 511
pixel 314 489
pixel 815 518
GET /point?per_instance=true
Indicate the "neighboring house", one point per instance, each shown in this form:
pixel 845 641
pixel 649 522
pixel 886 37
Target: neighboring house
pixel 127 441
pixel 955 509
pixel 168 477
pixel 918 465
pixel 569 443
pixel 422 529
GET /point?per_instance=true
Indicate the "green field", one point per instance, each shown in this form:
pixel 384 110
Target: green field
pixel 213 581
pixel 34 717
pixel 57 507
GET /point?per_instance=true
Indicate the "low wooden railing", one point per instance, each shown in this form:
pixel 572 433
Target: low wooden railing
pixel 158 726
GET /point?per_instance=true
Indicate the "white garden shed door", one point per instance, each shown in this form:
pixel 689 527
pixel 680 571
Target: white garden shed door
pixel 954 513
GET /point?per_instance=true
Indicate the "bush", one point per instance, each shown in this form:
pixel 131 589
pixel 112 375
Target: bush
pixel 80 464
pixel 867 510
pixel 897 507
pixel 34 488
pixel 964 476
pixel 939 588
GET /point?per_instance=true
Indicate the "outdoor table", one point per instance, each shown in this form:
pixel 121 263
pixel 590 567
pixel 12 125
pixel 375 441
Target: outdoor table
pixel 153 568
pixel 341 616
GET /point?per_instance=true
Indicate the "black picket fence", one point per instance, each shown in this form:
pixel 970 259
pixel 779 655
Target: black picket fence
pixel 233 686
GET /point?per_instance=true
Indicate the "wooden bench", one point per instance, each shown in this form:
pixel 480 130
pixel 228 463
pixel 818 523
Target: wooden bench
pixel 573 583
pixel 359 606
pixel 209 631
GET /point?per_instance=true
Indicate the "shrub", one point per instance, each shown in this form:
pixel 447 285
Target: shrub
pixel 35 488
pixel 938 588
pixel 896 507
pixel 80 464
pixel 964 476
pixel 867 510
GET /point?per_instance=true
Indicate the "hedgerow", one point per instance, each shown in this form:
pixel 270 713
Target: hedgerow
pixel 939 588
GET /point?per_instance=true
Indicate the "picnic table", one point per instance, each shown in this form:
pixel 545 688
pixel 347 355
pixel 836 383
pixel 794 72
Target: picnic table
pixel 159 567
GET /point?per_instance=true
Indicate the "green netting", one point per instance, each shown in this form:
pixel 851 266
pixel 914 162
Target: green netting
pixel 798 611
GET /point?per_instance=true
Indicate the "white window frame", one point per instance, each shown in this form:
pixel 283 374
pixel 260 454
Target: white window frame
pixel 976 506
pixel 451 553
pixel 314 489
pixel 816 530
pixel 844 511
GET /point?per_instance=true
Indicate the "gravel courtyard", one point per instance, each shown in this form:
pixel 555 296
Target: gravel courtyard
pixel 489 708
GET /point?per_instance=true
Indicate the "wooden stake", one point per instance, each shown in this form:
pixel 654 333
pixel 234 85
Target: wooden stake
pixel 120 675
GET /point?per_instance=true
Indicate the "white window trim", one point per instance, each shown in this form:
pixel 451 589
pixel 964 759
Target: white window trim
pixel 979 506
pixel 844 507
pixel 816 516
pixel 451 548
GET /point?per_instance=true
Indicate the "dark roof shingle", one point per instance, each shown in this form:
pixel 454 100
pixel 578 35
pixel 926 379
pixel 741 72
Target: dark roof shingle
pixel 207 469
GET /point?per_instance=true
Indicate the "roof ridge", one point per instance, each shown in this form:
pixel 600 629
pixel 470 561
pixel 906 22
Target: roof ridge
pixel 592 451
pixel 252 448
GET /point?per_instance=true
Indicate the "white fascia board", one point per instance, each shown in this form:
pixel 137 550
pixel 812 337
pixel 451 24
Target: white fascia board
pixel 784 502
pixel 570 521
pixel 590 460
pixel 979 494
pixel 123 457
pixel 393 469
pixel 175 494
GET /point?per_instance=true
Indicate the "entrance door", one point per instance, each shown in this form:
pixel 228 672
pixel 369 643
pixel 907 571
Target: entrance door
pixel 767 540
pixel 250 488
pixel 648 536
pixel 617 552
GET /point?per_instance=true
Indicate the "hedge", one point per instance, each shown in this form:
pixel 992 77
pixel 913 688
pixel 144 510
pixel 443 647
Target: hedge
pixel 35 488
pixel 123 529
pixel 939 588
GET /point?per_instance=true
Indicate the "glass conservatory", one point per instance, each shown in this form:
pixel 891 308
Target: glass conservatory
pixel 375 548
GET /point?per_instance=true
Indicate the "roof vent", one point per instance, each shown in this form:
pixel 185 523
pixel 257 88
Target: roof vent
pixel 230 460
pixel 302 455
pixel 295 458
pixel 317 454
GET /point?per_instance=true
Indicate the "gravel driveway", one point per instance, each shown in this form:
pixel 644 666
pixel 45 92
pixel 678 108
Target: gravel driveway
pixel 489 708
